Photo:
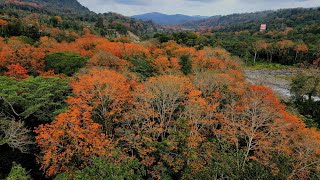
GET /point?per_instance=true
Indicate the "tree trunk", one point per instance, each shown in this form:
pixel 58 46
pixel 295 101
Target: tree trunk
pixel 310 98
pixel 255 57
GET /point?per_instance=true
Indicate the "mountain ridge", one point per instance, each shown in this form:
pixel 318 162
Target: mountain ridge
pixel 219 20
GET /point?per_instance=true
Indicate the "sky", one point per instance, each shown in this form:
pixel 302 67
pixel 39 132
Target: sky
pixel 192 7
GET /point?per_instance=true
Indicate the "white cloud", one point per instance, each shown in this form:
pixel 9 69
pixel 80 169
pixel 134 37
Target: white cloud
pixel 192 7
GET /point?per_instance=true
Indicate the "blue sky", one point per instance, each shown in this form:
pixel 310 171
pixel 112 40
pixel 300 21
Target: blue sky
pixel 192 7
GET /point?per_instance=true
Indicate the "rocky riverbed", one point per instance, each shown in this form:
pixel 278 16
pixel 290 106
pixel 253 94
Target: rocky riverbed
pixel 278 80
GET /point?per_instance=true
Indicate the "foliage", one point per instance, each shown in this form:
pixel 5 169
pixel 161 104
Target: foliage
pixel 70 141
pixel 107 92
pixel 104 169
pixel 142 67
pixel 17 71
pixel 291 37
pixel 64 63
pixel 18 172
pixel 63 19
pixel 154 110
pixel 40 98
pixel 186 64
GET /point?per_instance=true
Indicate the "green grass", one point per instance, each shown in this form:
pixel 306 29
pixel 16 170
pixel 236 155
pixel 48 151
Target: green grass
pixel 288 78
pixel 268 66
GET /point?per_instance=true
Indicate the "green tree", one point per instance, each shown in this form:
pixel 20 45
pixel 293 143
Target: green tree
pixel 65 63
pixel 306 84
pixel 186 64
pixel 142 66
pixel 40 98
pixel 306 90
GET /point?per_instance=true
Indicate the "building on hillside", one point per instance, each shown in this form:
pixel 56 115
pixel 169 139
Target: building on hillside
pixel 263 27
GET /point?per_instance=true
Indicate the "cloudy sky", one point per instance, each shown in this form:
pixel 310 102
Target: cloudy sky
pixel 192 7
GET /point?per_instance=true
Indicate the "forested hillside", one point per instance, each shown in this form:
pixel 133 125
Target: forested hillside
pixel 76 103
pixel 221 21
pixel 71 5
pixel 298 18
pixel 276 20
pixel 63 22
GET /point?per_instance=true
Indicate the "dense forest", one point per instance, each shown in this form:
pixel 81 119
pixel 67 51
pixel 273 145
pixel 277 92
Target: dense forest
pixel 76 103
pixel 102 108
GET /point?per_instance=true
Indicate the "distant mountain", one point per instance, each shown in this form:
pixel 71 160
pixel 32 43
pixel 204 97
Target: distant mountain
pixel 220 21
pixel 165 19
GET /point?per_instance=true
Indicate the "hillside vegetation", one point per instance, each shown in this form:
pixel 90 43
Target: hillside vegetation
pixel 221 21
pixel 46 18
pixel 292 37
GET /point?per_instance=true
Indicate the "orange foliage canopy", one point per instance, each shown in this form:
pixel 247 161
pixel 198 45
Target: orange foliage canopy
pixel 166 121
pixel 260 122
pixel 108 92
pixel 71 140
pixel 3 22
pixel 17 71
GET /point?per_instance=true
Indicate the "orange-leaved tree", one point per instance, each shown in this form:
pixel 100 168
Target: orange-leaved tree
pixel 17 71
pixel 159 100
pixel 252 124
pixel 108 92
pixel 158 108
pixel 70 142
pixel 259 127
